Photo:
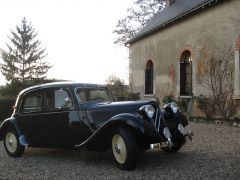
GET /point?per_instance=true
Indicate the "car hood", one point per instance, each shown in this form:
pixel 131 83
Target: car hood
pixel 98 113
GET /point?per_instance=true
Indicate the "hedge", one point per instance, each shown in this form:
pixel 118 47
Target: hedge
pixel 6 108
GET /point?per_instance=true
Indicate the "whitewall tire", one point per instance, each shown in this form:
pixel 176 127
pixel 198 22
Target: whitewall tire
pixel 11 143
pixel 125 148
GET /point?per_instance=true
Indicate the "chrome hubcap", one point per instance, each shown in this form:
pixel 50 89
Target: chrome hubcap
pixel 11 142
pixel 119 149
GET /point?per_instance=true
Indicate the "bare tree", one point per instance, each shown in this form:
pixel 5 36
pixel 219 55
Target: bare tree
pixel 217 76
pixel 136 18
pixel 117 87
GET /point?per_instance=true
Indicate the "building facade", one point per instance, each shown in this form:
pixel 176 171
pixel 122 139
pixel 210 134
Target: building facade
pixel 166 56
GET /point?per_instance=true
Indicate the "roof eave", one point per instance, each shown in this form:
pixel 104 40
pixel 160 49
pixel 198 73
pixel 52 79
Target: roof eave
pixel 133 40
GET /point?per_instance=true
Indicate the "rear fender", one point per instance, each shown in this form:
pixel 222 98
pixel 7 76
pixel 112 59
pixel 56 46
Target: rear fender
pixel 11 122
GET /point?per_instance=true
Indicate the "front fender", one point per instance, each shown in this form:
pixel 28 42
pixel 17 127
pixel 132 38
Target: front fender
pixel 135 122
pixel 105 131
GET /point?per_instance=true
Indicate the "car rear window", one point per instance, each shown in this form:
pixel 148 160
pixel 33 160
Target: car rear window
pixel 32 103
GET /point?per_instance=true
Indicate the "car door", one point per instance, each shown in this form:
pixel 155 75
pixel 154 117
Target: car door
pixel 64 125
pixel 30 116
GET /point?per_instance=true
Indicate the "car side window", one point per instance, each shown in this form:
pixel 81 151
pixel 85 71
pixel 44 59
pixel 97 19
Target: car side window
pixel 98 95
pixel 58 99
pixel 86 95
pixel 32 103
pixel 82 94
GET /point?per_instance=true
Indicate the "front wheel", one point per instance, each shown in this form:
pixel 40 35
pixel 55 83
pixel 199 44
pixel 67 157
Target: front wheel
pixel 177 144
pixel 11 143
pixel 124 148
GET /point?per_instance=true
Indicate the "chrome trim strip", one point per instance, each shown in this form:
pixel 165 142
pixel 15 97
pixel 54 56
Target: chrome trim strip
pixel 155 123
pixel 159 120
pixel 170 144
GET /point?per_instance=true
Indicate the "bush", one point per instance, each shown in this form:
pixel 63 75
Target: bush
pixel 133 96
pixel 203 105
pixel 11 91
pixel 182 103
pixel 169 98
pixel 6 108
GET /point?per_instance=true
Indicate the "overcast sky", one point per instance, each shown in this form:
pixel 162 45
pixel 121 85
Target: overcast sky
pixel 77 35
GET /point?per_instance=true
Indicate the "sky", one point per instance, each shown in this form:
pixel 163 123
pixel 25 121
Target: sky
pixel 77 35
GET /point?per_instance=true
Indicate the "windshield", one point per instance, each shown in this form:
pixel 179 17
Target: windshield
pixel 87 95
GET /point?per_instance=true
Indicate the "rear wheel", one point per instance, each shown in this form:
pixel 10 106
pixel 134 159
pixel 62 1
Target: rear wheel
pixel 124 148
pixel 11 143
pixel 176 145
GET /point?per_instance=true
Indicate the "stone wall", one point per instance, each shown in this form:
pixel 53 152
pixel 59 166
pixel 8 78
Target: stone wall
pixel 214 27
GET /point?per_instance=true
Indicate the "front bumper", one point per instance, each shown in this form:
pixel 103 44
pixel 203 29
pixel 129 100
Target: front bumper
pixel 160 145
pixel 169 143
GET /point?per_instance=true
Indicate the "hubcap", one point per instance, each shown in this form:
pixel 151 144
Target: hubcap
pixel 11 142
pixel 119 149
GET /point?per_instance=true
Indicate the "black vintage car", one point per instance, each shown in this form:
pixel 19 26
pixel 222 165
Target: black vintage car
pixel 84 116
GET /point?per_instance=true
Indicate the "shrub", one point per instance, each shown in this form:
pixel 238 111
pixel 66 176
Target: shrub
pixel 182 103
pixel 6 108
pixel 203 105
pixel 169 98
pixel 133 96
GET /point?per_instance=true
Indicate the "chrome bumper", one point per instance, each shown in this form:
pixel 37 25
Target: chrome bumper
pixel 169 143
pixel 160 145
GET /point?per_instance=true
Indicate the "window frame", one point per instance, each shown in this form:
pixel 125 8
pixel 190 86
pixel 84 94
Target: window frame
pixel 87 102
pixel 185 60
pixel 237 74
pixel 149 85
pixel 27 94
pixel 57 109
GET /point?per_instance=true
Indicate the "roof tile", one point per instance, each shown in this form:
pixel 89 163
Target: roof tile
pixel 169 14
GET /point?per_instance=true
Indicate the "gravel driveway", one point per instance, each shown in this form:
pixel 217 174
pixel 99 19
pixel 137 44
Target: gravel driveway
pixel 213 154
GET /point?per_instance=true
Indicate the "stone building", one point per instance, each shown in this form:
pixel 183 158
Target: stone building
pixel 165 56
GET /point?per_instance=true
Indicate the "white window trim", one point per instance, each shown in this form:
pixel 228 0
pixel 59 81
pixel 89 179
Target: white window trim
pixel 237 75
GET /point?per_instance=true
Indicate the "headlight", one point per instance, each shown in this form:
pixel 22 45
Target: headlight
pixel 167 133
pixel 181 129
pixel 149 111
pixel 174 107
pixel 171 107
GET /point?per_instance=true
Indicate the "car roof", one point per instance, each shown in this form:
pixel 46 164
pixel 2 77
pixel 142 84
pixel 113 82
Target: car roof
pixel 62 84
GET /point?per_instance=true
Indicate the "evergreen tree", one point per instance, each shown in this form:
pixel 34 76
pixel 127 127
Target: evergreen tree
pixel 23 60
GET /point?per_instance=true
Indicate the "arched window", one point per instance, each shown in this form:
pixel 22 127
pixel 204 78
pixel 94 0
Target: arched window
pixel 149 77
pixel 186 73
